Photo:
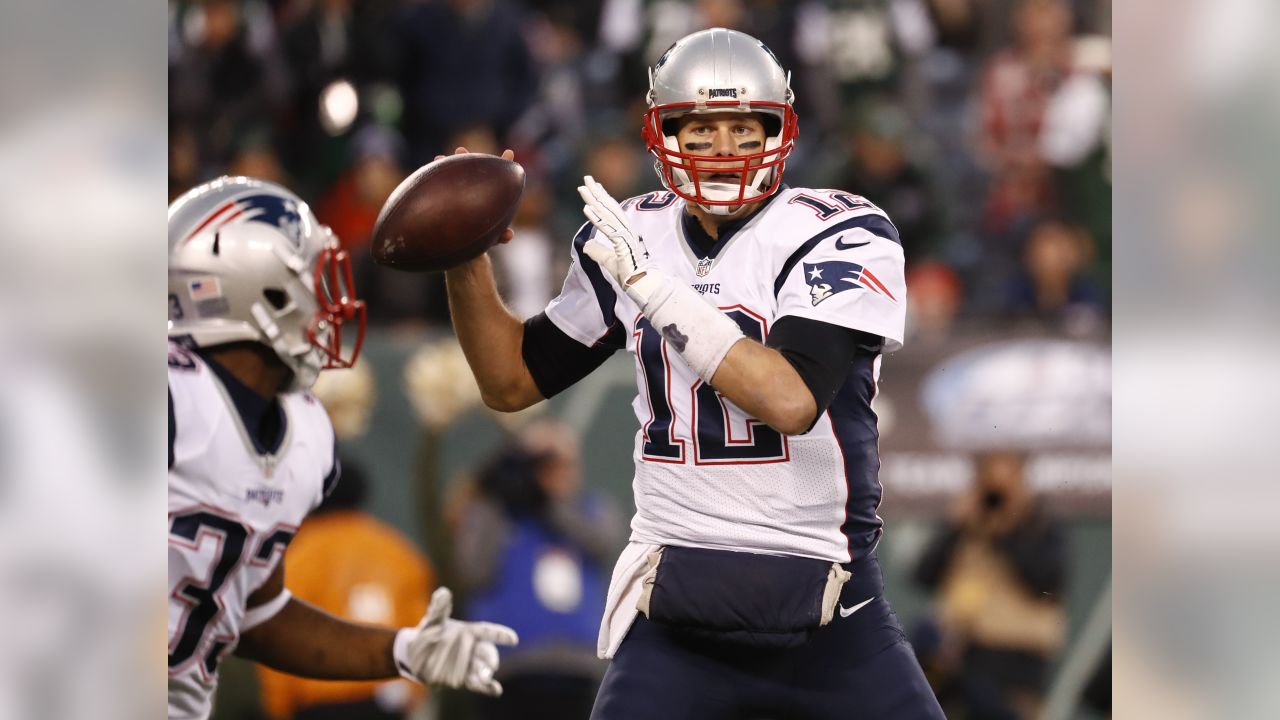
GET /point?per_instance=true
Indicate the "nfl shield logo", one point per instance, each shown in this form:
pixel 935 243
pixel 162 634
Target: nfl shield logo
pixel 704 267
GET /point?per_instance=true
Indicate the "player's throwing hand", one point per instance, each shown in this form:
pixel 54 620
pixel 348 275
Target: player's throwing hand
pixel 456 653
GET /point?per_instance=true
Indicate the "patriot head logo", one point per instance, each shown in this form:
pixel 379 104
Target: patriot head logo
pixel 828 278
pixel 270 209
pixel 275 210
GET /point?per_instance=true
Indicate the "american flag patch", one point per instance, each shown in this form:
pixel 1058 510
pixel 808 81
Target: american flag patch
pixel 204 288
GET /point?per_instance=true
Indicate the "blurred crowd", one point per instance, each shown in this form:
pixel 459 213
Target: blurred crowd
pixel 981 126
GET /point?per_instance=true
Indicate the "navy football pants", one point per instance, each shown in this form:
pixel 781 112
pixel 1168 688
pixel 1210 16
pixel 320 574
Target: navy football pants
pixel 858 667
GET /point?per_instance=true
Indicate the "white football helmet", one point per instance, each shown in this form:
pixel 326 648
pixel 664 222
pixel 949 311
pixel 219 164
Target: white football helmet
pixel 720 70
pixel 249 261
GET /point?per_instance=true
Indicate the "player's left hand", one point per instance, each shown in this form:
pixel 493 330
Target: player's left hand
pixel 455 653
pixel 624 255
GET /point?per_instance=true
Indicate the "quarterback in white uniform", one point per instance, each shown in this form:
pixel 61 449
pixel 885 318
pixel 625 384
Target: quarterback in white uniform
pixel 755 488
pixel 757 315
pixel 259 296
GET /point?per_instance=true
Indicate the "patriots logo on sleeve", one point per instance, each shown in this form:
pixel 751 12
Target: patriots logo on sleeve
pixel 834 276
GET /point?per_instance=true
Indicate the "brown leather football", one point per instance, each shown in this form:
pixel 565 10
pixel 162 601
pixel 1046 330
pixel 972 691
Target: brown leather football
pixel 447 212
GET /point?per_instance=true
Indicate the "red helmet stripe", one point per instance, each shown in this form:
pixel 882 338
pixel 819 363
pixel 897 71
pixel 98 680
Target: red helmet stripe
pixel 229 205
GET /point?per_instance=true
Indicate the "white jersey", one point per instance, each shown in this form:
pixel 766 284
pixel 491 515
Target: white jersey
pixel 707 475
pixel 233 508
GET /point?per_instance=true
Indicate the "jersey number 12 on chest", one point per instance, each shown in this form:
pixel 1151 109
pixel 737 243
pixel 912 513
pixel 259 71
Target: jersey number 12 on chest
pixel 713 419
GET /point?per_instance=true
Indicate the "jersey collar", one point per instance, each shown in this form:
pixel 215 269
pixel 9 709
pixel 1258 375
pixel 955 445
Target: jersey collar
pixel 260 416
pixel 703 245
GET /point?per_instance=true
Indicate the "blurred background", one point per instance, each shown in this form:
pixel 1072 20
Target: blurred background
pixel 982 127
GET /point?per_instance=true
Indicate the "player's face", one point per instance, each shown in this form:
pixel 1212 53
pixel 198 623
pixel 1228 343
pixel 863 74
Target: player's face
pixel 721 135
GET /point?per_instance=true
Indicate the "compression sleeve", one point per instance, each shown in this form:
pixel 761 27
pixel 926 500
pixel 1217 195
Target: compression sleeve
pixel 555 360
pixel 821 353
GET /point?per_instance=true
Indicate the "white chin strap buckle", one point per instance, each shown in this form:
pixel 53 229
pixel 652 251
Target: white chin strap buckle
pixel 729 191
pixel 723 209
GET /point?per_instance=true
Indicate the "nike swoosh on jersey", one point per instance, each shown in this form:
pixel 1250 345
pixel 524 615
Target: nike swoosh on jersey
pixel 846 612
pixel 849 246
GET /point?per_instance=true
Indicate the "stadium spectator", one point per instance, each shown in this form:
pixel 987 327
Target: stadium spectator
pixel 880 167
pixel 527 271
pixel 551 132
pixel 184 159
pixel 847 48
pixel 460 63
pixel 937 294
pixel 1015 90
pixel 256 158
pixel 1077 143
pixel 1053 287
pixel 999 568
pixel 534 550
pixel 226 75
pixel 351 206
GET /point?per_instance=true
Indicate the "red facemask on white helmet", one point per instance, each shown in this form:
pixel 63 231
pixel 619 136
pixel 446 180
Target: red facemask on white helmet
pixel 716 71
pixel 249 261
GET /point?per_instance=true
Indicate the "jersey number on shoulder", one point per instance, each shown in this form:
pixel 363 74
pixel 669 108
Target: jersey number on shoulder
pixel 201 596
pixel 826 204
pixel 656 201
pixel 713 423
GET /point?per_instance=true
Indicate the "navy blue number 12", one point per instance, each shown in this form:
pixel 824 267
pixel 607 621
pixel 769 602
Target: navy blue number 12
pixel 714 443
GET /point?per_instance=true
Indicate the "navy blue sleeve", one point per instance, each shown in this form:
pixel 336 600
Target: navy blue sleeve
pixel 173 429
pixel 821 353
pixel 556 361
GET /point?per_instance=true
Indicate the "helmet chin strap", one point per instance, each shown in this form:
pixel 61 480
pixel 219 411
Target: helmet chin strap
pixel 299 357
pixel 304 376
pixel 725 210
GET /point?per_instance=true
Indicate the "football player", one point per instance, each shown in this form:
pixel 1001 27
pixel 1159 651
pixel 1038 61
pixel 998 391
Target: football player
pixel 757 314
pixel 260 297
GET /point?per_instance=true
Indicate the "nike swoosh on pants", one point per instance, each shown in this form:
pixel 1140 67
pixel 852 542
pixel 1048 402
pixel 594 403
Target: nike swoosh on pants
pixel 846 612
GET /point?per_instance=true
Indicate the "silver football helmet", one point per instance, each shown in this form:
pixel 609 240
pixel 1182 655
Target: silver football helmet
pixel 720 70
pixel 249 261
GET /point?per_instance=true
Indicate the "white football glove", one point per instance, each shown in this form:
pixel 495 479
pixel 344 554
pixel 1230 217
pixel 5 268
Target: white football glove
pixel 624 254
pixel 692 325
pixel 455 653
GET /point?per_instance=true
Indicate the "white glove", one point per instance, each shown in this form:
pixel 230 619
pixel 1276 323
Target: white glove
pixel 624 255
pixel 692 325
pixel 455 653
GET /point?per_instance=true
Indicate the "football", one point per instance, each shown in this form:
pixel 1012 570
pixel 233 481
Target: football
pixel 447 212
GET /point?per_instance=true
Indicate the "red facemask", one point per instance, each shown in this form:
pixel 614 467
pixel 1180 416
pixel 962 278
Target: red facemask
pixel 339 306
pixel 741 165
